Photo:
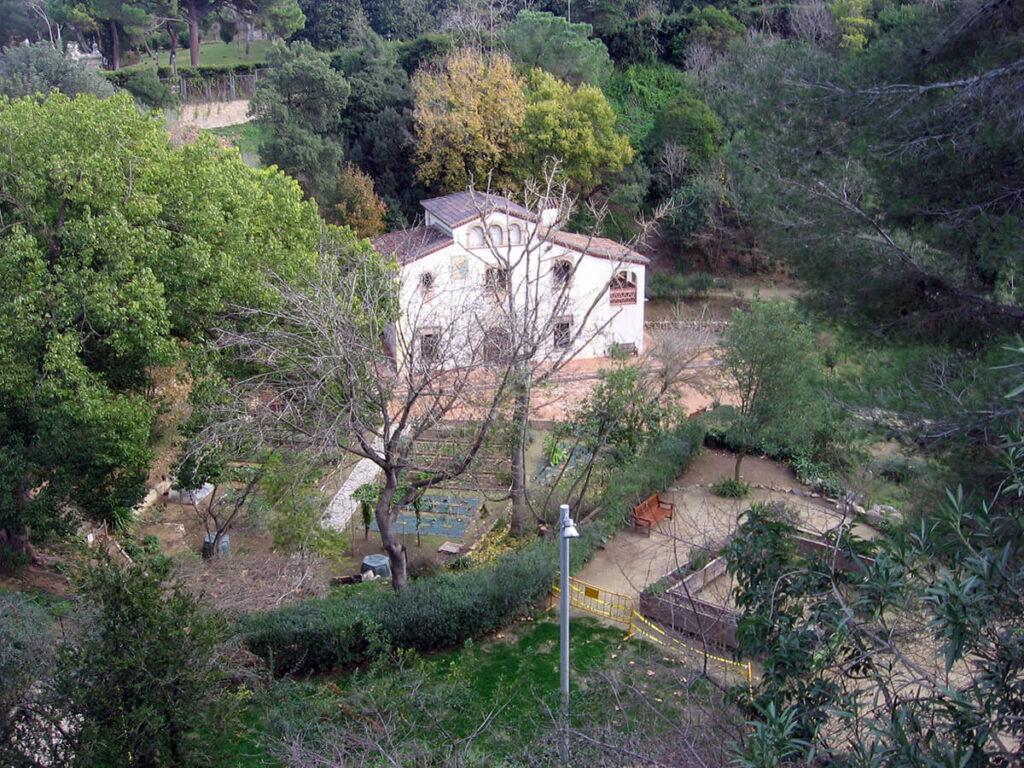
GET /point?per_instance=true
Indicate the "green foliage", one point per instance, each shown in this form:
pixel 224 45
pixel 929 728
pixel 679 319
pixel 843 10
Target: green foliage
pixel 730 488
pixel 430 613
pixel 677 286
pixel 690 124
pixel 26 655
pixel 552 43
pixel 900 470
pixel 715 28
pixel 574 125
pixel 143 678
pixel 107 221
pixel 949 581
pixel 41 68
pixel 837 166
pixel 444 611
pixel 771 358
pixel 853 19
pixel 640 92
pixel 292 503
pixel 300 101
pixel 145 86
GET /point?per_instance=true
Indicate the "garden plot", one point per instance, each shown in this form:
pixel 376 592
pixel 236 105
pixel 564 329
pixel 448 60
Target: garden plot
pixel 703 522
pixel 443 515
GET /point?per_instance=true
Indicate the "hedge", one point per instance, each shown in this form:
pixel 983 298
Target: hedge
pixel 209 70
pixel 144 85
pixel 444 611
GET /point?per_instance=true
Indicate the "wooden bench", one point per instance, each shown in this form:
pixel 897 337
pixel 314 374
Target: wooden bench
pixel 651 511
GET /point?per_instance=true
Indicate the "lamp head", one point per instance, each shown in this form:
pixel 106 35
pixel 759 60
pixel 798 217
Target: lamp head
pixel 570 531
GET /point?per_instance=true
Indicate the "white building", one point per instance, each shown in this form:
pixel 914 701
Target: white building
pixel 477 258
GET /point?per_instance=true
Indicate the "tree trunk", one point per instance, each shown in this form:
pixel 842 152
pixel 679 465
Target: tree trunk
pixel 248 39
pixel 520 522
pixel 16 543
pixel 739 460
pixel 395 550
pixel 193 33
pixel 115 46
pixel 172 59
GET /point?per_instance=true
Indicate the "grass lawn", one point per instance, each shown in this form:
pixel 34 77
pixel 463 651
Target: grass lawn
pixel 212 53
pixel 245 136
pixel 511 678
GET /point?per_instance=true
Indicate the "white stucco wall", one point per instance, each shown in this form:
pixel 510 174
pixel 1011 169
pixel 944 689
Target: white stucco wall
pixel 458 298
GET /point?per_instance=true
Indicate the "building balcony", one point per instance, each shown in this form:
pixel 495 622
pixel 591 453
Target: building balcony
pixel 622 296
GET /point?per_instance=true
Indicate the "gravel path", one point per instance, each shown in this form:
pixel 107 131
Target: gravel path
pixel 343 506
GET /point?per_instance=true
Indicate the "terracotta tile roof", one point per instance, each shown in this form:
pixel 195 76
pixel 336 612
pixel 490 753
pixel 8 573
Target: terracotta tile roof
pixel 413 243
pixel 462 207
pixel 601 247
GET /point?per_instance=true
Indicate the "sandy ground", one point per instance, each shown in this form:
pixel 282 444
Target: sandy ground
pixel 632 560
pixel 217 114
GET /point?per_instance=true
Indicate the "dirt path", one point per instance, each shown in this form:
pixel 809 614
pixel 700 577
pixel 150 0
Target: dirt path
pixel 216 114
pixel 630 561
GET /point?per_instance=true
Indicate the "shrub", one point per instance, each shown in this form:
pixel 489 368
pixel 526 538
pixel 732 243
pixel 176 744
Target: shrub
pixel 699 557
pixel 730 488
pixel 146 87
pixel 900 470
pixel 679 286
pixel 672 286
pixel 818 475
pixel 26 650
pixel 41 68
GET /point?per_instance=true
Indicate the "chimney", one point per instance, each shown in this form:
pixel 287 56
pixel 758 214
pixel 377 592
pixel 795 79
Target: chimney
pixel 549 211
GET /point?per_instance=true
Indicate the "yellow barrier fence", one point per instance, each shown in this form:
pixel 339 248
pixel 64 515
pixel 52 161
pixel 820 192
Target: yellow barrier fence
pixel 600 602
pixel 622 610
pixel 640 626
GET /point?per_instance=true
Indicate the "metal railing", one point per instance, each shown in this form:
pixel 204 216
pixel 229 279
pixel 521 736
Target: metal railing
pixel 620 296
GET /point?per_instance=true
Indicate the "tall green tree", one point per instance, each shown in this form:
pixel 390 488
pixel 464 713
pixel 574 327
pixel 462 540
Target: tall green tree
pixel 469 118
pixel 300 101
pixel 884 175
pixel 576 126
pixel 552 43
pixel 117 19
pixel 771 363
pixel 118 248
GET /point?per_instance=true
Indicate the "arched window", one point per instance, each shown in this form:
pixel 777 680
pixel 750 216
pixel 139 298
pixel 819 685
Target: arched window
pixel 622 289
pixel 476 237
pixel 497 236
pixel 515 235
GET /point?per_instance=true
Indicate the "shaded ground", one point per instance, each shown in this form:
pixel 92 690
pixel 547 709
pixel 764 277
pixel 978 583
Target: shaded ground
pixel 630 561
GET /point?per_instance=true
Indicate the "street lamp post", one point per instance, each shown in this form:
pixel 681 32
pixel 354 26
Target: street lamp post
pixel 567 531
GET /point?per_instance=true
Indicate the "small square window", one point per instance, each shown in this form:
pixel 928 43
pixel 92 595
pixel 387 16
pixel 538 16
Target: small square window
pixel 563 334
pixel 427 282
pixel 498 280
pixel 429 348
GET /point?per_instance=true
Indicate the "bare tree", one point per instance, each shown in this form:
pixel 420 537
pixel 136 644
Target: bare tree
pixel 541 318
pixel 351 360
pixel 813 21
pixel 477 22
